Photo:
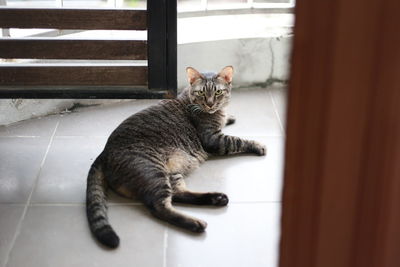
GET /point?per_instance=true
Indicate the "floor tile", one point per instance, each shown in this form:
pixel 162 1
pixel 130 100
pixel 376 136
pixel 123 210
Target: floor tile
pixel 10 216
pixel 279 95
pixel 64 173
pixel 43 126
pixel 59 236
pixel 254 112
pixel 99 121
pixel 243 177
pixel 19 166
pixel 239 235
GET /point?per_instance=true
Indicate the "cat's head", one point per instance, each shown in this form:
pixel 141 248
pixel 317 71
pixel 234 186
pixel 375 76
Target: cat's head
pixel 210 92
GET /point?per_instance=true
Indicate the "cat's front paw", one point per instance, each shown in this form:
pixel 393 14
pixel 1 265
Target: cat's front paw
pixel 231 120
pixel 258 149
pixel 218 199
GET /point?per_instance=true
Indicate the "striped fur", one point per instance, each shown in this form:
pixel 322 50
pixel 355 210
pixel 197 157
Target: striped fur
pixel 96 207
pixel 150 153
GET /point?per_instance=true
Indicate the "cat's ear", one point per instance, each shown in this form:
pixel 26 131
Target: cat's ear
pixel 226 74
pixel 193 75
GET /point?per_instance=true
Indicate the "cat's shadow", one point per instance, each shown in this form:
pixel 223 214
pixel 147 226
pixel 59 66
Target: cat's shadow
pixel 117 200
pixel 235 156
pixel 146 213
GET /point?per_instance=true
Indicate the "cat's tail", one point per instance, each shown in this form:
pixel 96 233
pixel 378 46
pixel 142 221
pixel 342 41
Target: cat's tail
pixel 96 207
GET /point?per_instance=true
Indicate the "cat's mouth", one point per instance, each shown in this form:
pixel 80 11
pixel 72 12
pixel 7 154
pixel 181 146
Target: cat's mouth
pixel 210 110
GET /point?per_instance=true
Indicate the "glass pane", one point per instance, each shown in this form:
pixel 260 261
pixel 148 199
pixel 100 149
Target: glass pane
pixel 225 4
pixel 134 3
pixel 271 1
pixel 186 5
pixel 31 3
pixel 85 3
pixel 78 3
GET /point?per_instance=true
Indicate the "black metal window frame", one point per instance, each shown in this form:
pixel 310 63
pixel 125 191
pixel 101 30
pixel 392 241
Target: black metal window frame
pixel 161 66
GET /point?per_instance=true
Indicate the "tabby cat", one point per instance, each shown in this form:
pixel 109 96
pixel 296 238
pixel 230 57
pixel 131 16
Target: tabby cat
pixel 148 155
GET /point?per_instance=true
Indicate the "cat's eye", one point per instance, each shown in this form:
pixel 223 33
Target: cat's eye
pixel 200 93
pixel 218 92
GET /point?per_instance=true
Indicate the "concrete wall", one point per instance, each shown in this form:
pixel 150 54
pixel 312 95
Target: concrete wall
pixel 13 110
pixel 255 60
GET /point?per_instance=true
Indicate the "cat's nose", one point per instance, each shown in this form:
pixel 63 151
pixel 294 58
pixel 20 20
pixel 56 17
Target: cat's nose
pixel 209 103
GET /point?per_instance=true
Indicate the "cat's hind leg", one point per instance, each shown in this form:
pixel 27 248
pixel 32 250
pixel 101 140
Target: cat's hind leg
pixel 181 195
pixel 160 205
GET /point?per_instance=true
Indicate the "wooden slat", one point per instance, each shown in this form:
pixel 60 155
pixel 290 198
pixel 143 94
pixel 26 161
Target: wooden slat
pixel 87 19
pixel 82 92
pixel 24 75
pixel 73 49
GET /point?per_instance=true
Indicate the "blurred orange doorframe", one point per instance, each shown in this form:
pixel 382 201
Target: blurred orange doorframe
pixel 341 200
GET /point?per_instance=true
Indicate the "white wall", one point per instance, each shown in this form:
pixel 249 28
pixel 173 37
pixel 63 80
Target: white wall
pixel 255 60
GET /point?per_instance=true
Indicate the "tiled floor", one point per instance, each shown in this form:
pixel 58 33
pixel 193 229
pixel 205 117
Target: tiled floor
pixel 43 170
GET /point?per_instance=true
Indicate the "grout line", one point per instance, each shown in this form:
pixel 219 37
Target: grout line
pixel 255 202
pixel 111 204
pixel 114 204
pixel 71 136
pixel 127 204
pixel 80 204
pixel 22 136
pixel 45 155
pixel 19 224
pixel 259 136
pixel 56 204
pixel 12 204
pixel 276 112
pixel 165 247
pixel 106 136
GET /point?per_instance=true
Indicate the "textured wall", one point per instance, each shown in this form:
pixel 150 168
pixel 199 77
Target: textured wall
pixel 255 60
pixel 13 110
